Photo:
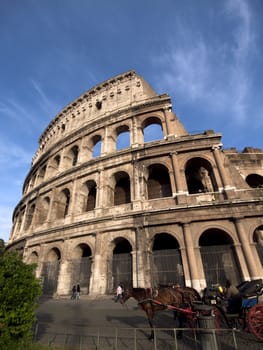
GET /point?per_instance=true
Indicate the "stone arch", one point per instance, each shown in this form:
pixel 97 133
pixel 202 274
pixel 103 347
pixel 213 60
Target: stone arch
pixel 122 188
pixel 152 129
pixel 53 166
pixel 219 257
pixel 43 210
pixel 158 182
pixel 19 218
pixel 122 137
pixel 121 270
pixel 199 176
pixel 88 196
pixel 30 215
pixel 71 157
pixel 50 271
pixel 63 201
pixel 92 195
pixel 42 173
pixel 254 180
pixel 96 146
pixel 258 241
pixel 81 266
pixel 33 181
pixel 166 262
pixel 33 258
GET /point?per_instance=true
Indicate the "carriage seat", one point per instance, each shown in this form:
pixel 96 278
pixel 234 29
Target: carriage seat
pixel 249 301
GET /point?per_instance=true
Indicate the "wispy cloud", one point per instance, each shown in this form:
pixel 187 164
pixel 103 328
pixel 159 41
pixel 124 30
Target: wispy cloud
pixel 11 109
pixel 45 103
pixel 213 72
pixel 13 155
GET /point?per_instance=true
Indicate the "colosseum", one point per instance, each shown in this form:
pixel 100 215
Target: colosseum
pixel 119 191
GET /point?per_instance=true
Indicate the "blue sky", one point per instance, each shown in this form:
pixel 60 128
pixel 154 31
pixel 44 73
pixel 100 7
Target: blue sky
pixel 207 55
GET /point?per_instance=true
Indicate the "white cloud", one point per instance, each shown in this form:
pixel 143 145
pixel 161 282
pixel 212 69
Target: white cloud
pixel 213 73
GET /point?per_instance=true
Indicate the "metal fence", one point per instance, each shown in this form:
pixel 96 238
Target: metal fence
pixel 137 339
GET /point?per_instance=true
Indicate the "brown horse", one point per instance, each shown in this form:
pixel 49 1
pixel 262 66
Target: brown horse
pixel 179 299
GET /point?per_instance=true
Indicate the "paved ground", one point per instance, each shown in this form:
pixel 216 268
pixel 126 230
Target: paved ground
pixel 101 323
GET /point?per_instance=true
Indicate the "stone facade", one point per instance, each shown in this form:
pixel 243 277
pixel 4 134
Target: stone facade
pixel 176 209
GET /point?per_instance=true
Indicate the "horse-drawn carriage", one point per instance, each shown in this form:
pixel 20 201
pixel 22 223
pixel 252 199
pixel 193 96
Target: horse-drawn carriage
pixel 248 313
pixel 185 301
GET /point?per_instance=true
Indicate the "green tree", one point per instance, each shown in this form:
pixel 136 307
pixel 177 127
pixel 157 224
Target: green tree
pixel 2 246
pixel 19 290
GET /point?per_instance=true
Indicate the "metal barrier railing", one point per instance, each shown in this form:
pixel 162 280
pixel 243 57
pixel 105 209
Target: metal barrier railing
pixel 137 339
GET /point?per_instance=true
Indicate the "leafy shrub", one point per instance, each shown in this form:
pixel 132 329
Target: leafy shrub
pixel 19 290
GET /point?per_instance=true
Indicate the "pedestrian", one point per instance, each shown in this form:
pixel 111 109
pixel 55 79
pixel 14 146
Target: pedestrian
pixel 74 291
pixel 78 292
pixel 119 292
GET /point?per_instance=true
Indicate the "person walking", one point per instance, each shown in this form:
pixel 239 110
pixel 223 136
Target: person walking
pixel 74 291
pixel 78 292
pixel 119 292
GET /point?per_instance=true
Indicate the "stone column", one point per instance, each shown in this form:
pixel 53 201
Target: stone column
pixel 100 189
pixel 64 278
pixel 40 261
pixel 220 166
pixel 136 187
pixel 190 250
pixel 248 254
pixel 98 281
pixel 104 142
pixel 177 174
pixel 168 122
pixel 134 133
pixel 64 275
pixel 138 261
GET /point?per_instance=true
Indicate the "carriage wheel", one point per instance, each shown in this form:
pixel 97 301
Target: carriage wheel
pixel 255 321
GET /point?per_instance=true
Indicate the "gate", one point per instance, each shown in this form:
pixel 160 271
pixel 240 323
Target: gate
pixel 50 277
pixel 167 267
pixel 122 269
pixel 81 272
pixel 220 263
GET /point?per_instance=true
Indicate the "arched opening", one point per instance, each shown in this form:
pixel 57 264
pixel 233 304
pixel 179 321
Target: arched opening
pixel 219 257
pixel 199 176
pixel 43 210
pixel 152 129
pixel 97 143
pixel 30 215
pixel 33 258
pixel 81 267
pixel 122 192
pixel 158 184
pixel 254 180
pixel 258 240
pixel 20 220
pixel 123 137
pixel 53 166
pixel 166 267
pixel 121 264
pixel 42 173
pixel 75 154
pixel 63 204
pixel 92 194
pixel 50 272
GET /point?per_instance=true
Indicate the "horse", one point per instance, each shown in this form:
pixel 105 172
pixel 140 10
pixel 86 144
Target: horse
pixel 179 299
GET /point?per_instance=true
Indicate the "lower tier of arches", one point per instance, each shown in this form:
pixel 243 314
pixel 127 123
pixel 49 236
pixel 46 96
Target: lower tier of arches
pixel 142 257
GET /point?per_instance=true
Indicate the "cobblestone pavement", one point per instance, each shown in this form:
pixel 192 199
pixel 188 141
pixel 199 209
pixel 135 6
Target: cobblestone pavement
pixel 100 323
